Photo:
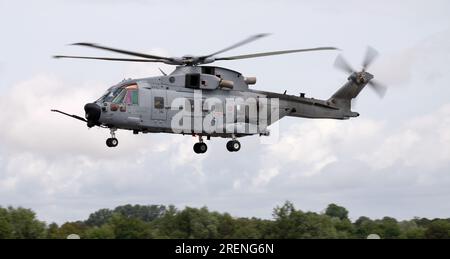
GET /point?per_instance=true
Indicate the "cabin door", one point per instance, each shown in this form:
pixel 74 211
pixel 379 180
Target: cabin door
pixel 159 104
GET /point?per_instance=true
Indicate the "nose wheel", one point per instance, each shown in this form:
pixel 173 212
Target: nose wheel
pixel 112 141
pixel 234 146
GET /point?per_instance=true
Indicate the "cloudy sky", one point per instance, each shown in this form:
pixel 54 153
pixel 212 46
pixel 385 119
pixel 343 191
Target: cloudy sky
pixel 393 160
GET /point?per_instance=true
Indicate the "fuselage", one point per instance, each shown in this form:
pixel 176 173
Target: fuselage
pixel 202 100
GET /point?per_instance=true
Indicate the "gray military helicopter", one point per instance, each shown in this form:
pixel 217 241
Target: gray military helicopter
pixel 152 105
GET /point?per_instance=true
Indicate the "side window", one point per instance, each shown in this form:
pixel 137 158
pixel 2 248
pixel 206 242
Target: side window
pixel 132 97
pixel 135 97
pixel 159 102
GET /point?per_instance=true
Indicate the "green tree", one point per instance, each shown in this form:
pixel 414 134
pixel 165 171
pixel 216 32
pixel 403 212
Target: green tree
pixel 251 228
pixel 197 223
pixel 364 226
pixel 144 213
pixel 99 217
pixel 104 232
pixel 336 211
pixel 344 228
pixel 389 228
pixel 226 226
pixel 130 228
pixel 167 226
pixel 410 230
pixel 25 225
pixel 438 229
pixel 6 229
pixel 53 231
pixel 422 222
pixel 283 220
pixel 292 223
pixel 318 226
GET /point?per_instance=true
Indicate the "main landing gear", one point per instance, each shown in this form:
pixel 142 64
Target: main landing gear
pixel 233 145
pixel 200 147
pixel 112 142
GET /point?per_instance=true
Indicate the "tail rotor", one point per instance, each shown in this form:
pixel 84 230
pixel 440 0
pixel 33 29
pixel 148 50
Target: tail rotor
pixel 363 77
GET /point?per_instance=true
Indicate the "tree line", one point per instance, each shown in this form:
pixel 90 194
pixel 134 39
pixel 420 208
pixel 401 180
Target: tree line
pixel 168 222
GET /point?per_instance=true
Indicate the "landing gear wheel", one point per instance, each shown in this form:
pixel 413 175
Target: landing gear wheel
pixel 229 147
pixel 233 146
pixel 196 148
pixel 200 148
pixel 112 142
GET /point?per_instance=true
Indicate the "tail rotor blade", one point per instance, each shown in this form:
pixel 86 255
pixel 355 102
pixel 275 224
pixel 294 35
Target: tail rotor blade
pixel 371 55
pixel 343 65
pixel 379 88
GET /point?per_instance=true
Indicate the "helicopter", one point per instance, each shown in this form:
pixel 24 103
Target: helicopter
pixel 209 101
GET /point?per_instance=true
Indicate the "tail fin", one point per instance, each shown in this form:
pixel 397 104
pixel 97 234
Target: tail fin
pixel 356 83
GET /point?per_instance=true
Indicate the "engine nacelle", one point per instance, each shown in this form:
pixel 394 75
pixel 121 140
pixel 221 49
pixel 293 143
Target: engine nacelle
pixel 227 84
pixel 250 80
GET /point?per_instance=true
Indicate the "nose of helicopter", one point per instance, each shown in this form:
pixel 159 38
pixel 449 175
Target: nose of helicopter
pixel 93 112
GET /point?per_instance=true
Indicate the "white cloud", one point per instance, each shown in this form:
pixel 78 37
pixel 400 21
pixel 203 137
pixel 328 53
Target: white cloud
pixel 421 143
pixel 264 176
pixel 312 145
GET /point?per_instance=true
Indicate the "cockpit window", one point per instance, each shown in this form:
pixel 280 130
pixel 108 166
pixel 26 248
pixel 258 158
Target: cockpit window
pixel 105 97
pixel 127 95
pixel 119 97
pixel 109 95
pixel 132 95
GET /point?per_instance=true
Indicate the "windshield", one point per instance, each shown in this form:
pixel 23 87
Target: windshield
pixel 109 95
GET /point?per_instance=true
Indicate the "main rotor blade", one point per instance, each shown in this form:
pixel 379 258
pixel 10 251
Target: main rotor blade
pixel 273 53
pixel 343 65
pixel 246 41
pixel 379 89
pixel 126 52
pixel 110 59
pixel 371 55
